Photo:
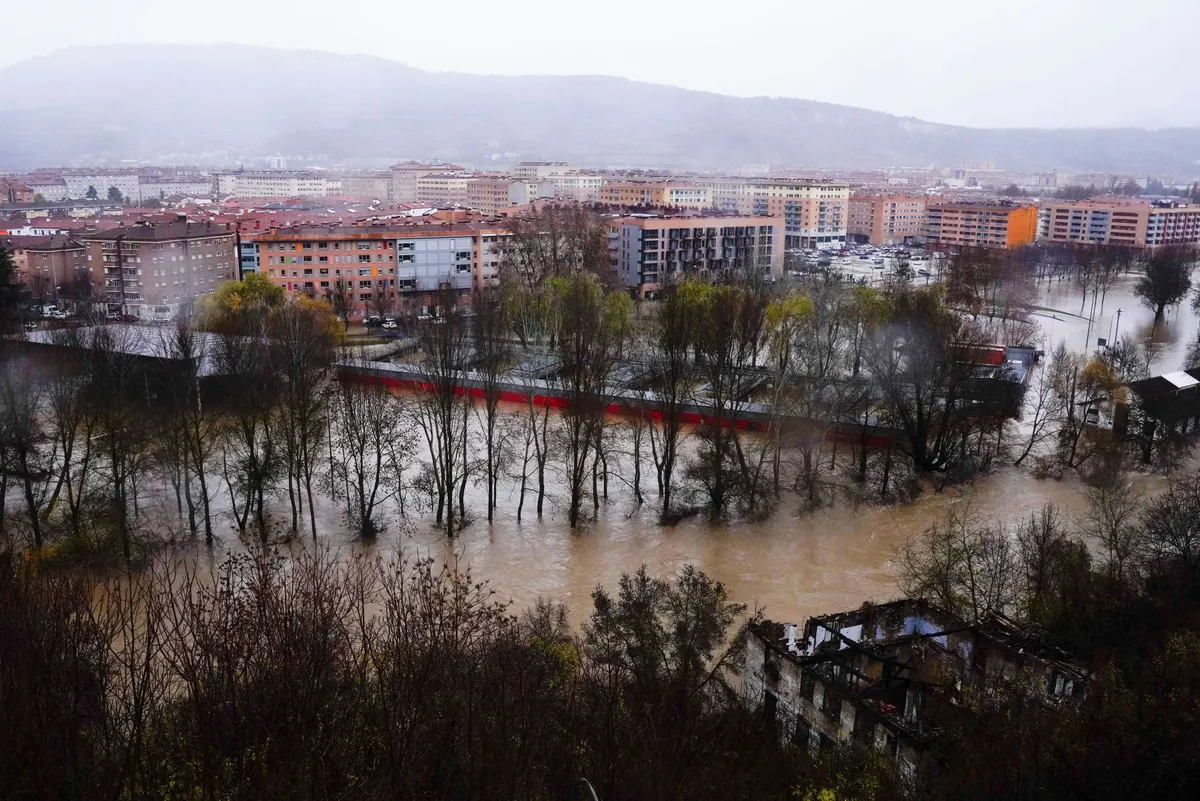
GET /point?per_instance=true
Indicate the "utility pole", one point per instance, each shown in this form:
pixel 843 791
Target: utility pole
pixel 1118 331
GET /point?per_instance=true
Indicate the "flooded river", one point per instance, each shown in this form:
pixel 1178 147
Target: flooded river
pixel 794 565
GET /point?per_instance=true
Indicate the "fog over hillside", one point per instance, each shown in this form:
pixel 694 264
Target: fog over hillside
pixel 148 101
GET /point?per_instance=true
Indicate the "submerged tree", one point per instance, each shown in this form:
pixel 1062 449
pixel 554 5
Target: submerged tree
pixel 590 341
pixel 1167 277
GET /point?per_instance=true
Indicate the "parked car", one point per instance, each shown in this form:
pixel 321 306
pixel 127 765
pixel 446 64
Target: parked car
pixel 389 325
pixel 113 316
pixel 373 321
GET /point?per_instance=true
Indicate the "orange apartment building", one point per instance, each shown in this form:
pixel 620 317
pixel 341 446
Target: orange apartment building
pixel 1002 225
pixel 157 270
pixel 655 194
pixel 1118 221
pixel 403 262
pixel 886 219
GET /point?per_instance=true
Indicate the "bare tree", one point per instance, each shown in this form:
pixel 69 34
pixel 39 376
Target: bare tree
pixel 367 430
pixel 118 389
pixel 1043 406
pixel 303 336
pixel 592 335
pixel 25 449
pixel 442 408
pixel 250 455
pixel 343 300
pixel 491 370
pixel 1112 521
pixel 191 428
pixel 673 380
pixel 961 564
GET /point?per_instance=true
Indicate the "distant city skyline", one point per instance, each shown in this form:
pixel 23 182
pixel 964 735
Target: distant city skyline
pixel 1025 63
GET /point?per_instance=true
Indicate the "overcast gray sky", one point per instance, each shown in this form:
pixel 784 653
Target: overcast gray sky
pixel 971 62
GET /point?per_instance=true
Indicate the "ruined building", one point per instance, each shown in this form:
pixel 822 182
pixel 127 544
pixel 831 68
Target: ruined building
pixel 890 676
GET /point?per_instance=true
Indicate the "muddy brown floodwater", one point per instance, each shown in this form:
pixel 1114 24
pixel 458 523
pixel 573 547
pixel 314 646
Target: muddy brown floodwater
pixel 794 565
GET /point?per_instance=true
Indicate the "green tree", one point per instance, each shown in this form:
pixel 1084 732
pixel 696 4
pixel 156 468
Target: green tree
pixel 115 195
pixel 91 193
pixel 238 305
pixel 10 292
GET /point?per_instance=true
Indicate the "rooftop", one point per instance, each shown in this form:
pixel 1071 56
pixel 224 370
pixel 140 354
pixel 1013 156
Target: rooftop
pixel 160 232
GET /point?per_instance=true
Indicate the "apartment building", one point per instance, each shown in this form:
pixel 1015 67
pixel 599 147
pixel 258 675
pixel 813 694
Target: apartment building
pixel 443 188
pixel 47 265
pixel 1003 225
pixel 13 190
pixel 406 174
pixel 578 187
pixel 156 271
pixel 52 189
pixel 886 219
pixel 401 262
pixel 272 183
pixel 655 194
pixel 1116 221
pixel 538 171
pixel 169 187
pixel 375 184
pixel 127 182
pixel 815 212
pixel 488 195
pixel 650 251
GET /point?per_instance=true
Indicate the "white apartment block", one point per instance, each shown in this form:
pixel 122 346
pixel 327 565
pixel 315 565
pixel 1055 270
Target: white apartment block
pixel 77 184
pixel 815 212
pixel 443 189
pixel 538 171
pixel 578 187
pixel 277 184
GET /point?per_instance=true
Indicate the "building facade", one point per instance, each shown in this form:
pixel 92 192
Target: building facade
pixel 538 171
pixel 879 677
pixel 405 176
pixel 578 187
pixel 957 225
pixel 157 271
pixel 273 183
pixel 886 219
pixel 649 252
pixel 128 183
pixel 815 212
pixel 488 195
pixel 48 266
pixel 655 194
pixel 381 266
pixel 1128 223
pixel 376 184
pixel 443 189
pixel 169 187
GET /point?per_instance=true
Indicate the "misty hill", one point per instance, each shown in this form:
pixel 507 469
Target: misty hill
pixel 151 101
